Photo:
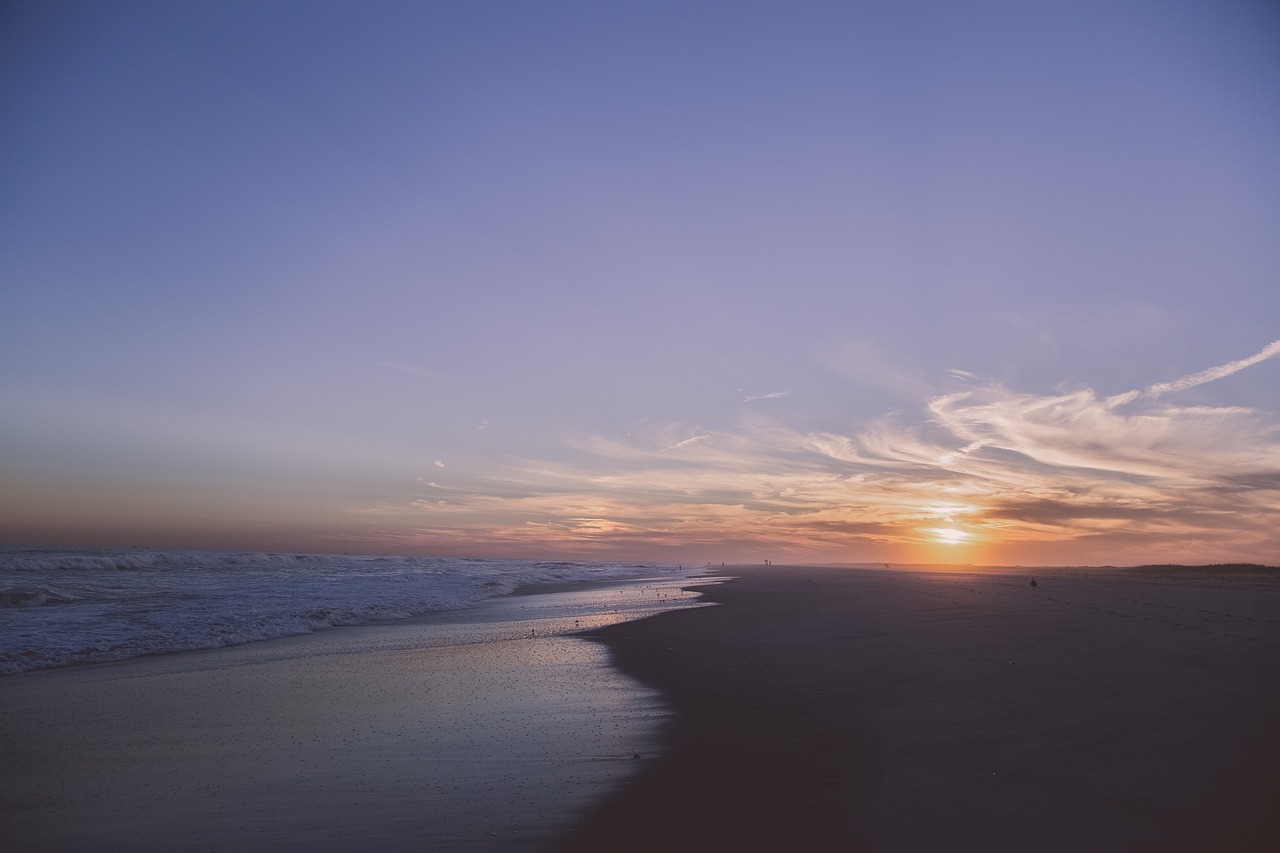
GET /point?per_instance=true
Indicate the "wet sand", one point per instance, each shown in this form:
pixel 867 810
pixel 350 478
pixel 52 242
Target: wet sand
pixel 487 729
pixel 815 709
pixel 836 709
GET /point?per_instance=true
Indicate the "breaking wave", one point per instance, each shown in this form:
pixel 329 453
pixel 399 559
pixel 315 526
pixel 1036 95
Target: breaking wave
pixel 59 608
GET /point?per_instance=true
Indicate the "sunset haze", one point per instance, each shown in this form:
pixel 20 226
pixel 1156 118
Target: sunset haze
pixel 988 283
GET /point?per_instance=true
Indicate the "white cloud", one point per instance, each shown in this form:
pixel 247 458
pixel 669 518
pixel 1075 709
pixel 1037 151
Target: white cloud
pixel 688 441
pixel 1130 477
pixel 1269 351
pixel 750 398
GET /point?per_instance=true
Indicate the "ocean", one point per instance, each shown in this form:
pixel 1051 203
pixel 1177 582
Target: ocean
pixel 66 607
pixel 460 712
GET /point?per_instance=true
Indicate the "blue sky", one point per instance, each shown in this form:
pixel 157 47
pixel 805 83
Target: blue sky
pixel 678 281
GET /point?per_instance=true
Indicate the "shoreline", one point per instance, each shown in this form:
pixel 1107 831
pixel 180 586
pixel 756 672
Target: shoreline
pixel 456 613
pixel 485 729
pixel 813 708
pixel 824 708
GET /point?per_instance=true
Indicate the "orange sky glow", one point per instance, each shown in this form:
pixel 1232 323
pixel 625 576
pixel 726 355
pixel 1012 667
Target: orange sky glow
pixel 836 283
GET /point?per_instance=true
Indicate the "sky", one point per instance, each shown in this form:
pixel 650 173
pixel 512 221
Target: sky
pixel 963 282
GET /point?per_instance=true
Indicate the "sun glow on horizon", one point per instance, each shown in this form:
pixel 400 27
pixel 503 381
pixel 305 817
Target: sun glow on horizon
pixel 948 535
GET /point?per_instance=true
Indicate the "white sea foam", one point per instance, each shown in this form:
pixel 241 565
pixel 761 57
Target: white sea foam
pixel 66 607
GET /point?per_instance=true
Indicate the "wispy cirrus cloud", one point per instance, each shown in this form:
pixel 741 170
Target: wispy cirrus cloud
pixel 773 395
pixel 1213 373
pixel 691 440
pixel 1071 476
pixel 1072 466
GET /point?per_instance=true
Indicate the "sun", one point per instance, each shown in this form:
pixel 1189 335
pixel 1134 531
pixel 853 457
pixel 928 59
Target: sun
pixel 949 535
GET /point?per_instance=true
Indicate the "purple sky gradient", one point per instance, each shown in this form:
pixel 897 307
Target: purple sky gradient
pixel 679 281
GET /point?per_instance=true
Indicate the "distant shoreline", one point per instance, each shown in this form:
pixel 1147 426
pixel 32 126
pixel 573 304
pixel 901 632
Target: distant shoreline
pixel 1211 569
pixel 1006 569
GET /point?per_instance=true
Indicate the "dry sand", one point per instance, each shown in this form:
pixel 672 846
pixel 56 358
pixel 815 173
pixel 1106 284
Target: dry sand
pixel 837 709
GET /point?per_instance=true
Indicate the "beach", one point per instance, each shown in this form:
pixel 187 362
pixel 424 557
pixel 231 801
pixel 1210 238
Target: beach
pixel 486 728
pixel 814 708
pixel 838 709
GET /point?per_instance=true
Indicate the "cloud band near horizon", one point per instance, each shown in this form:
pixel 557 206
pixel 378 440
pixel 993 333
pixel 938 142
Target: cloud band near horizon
pixel 987 474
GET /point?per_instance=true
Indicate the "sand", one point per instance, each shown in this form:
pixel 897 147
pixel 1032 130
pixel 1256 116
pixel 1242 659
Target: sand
pixel 489 729
pixel 813 709
pixel 834 709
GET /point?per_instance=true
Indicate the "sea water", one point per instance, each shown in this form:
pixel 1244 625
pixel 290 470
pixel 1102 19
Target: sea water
pixel 456 716
pixel 65 607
